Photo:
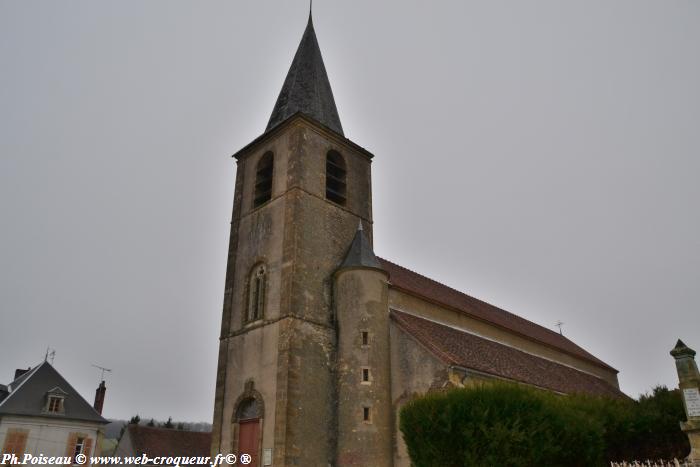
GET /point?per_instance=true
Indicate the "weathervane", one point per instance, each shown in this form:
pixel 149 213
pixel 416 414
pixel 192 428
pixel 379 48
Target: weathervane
pixel 559 324
pixel 50 353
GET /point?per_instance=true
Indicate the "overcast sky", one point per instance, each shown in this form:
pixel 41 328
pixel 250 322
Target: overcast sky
pixel 542 156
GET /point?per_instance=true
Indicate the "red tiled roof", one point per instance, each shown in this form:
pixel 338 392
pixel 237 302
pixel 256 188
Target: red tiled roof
pixel 416 284
pixel 465 350
pixel 166 442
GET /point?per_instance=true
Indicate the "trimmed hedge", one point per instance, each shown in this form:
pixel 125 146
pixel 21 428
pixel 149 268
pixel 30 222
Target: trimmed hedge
pixel 506 424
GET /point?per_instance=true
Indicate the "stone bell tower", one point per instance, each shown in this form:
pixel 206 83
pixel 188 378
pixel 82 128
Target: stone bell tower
pixel 301 189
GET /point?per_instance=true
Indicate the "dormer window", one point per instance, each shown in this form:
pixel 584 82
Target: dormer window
pixel 263 179
pixel 55 404
pixel 336 174
pixel 54 401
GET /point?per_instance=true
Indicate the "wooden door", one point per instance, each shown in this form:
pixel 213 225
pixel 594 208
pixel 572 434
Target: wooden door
pixel 249 440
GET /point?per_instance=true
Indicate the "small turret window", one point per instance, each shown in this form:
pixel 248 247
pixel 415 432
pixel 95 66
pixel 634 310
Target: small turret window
pixel 336 174
pixel 263 179
pixel 256 293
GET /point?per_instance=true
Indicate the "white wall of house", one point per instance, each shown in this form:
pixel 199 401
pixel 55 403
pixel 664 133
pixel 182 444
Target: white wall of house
pixel 51 436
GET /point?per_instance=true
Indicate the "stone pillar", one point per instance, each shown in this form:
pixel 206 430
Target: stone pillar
pixel 689 384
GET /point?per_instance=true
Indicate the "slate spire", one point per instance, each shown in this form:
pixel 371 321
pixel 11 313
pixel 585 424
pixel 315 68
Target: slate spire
pixel 306 88
pixel 360 253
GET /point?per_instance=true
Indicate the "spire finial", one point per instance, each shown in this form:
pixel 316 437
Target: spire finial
pixel 359 227
pixel 306 88
pixel 311 7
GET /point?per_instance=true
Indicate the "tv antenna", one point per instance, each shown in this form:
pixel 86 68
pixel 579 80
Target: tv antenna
pixel 559 325
pixel 103 369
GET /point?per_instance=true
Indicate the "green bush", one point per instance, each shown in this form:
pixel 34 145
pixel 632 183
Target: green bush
pixel 499 424
pixel 512 425
pixel 659 434
pixel 616 419
pixel 647 429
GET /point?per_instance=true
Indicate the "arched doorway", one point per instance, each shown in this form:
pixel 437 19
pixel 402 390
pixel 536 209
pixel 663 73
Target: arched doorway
pixel 248 417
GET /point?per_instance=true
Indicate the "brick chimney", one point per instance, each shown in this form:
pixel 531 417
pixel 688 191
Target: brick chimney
pixel 100 397
pixel 19 372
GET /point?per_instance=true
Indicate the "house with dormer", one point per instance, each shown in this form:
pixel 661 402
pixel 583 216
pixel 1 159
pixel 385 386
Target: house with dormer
pixel 42 414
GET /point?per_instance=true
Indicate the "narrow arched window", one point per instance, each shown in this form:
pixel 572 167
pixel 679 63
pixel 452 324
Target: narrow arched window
pixel 263 179
pixel 256 293
pixel 336 173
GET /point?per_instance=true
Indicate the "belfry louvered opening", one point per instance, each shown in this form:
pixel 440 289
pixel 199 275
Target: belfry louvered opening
pixel 263 179
pixel 336 174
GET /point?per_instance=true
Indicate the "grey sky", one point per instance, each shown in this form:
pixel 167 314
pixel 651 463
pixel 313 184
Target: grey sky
pixel 540 155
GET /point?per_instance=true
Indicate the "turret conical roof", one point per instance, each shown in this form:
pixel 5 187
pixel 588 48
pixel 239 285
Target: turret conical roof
pixel 360 253
pixel 306 88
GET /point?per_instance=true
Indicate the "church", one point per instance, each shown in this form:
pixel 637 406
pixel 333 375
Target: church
pixel 322 341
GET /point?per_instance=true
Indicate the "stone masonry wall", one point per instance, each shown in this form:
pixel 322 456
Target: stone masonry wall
pixel 289 355
pixel 361 304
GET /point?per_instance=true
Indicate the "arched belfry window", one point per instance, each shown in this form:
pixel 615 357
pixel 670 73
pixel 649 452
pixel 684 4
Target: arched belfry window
pixel 336 174
pixel 263 179
pixel 256 293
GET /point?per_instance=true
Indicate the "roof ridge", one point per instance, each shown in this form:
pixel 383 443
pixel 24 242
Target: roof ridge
pixel 89 412
pixel 71 388
pixel 450 287
pixel 438 345
pixel 487 338
pixel 550 338
pixel 28 374
pixel 475 298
